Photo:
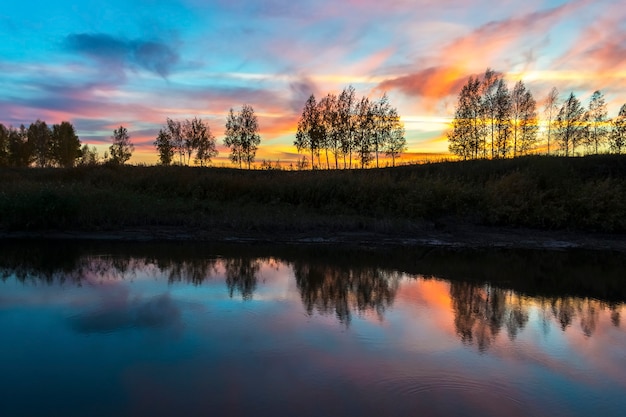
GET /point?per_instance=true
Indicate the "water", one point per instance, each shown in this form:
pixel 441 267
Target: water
pixel 189 329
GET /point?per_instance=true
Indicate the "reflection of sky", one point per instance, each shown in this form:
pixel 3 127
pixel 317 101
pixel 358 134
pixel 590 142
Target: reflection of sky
pixel 102 64
pixel 135 344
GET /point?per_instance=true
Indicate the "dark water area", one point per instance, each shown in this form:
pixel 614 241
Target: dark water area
pixel 128 329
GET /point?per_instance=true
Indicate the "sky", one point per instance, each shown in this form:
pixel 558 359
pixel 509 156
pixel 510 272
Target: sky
pixel 102 64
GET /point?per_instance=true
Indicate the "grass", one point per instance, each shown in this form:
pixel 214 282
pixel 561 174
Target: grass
pixel 555 193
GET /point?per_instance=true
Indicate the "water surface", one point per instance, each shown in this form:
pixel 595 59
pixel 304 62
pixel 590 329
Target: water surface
pixel 181 329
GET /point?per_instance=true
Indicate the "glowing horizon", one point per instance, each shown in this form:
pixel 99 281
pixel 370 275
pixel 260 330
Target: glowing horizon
pixel 100 66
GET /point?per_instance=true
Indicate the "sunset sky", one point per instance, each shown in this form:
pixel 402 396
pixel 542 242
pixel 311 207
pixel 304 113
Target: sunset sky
pixel 100 64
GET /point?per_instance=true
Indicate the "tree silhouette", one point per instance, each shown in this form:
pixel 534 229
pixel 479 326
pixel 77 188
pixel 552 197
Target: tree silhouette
pixel 524 119
pixel 175 132
pixel 310 131
pixel 364 131
pixel 550 109
pixel 489 89
pixel 122 149
pixel 597 120
pixel 396 142
pixel 570 124
pixel 165 146
pixel 330 127
pixel 345 109
pixel 65 145
pixel 198 138
pixel 39 141
pixel 617 138
pixel 88 156
pixel 467 131
pixel 4 146
pixel 19 149
pixel 242 136
pixel 501 120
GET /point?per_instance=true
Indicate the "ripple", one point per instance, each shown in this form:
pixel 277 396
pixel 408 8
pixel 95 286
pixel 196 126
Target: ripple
pixel 412 385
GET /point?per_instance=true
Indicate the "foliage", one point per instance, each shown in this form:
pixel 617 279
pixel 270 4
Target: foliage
pixel 618 134
pixel 310 129
pixel 551 106
pixel 242 135
pixel 165 146
pixel 65 145
pixel 467 133
pixel 122 148
pixel 343 126
pixel 524 114
pixel 597 117
pixel 39 139
pixel 570 125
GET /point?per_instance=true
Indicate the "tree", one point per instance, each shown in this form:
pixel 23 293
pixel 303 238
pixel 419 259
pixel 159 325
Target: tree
pixel 467 131
pixel 122 149
pixel 39 141
pixel 65 145
pixel 175 132
pixel 597 120
pixel 19 149
pixel 205 144
pixel 570 124
pixel 365 131
pixel 528 123
pixel 346 125
pixel 242 136
pixel 617 139
pixel 381 124
pixel 198 138
pixel 524 119
pixel 310 129
pixel 396 143
pixel 330 127
pixel 165 146
pixel 550 108
pixel 88 156
pixel 489 88
pixel 4 146
pixel 501 120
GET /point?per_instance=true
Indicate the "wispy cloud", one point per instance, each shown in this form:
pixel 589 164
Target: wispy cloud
pixel 151 55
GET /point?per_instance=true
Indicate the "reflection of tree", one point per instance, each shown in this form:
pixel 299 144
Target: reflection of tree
pixel 566 309
pixel 342 291
pixel 480 311
pixel 241 276
pixel 194 271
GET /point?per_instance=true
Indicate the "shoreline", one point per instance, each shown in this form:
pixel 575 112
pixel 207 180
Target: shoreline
pixel 464 236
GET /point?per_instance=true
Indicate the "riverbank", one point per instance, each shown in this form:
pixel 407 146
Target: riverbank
pixel 460 236
pixel 532 202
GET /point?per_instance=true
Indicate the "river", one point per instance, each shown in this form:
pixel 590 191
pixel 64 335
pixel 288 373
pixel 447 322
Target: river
pixel 126 329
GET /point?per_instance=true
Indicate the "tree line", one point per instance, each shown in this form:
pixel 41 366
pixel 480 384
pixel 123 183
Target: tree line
pixel 493 121
pixel 194 137
pixel 349 128
pixel 39 144
pixel 56 146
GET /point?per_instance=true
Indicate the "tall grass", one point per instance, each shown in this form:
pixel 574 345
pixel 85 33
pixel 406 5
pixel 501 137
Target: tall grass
pixel 586 194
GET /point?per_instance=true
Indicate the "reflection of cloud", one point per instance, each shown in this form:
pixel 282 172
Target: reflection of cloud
pixel 156 312
pixel 154 56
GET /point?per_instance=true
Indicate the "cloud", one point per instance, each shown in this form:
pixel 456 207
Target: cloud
pixel 433 82
pixel 504 41
pixel 301 90
pixel 152 55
